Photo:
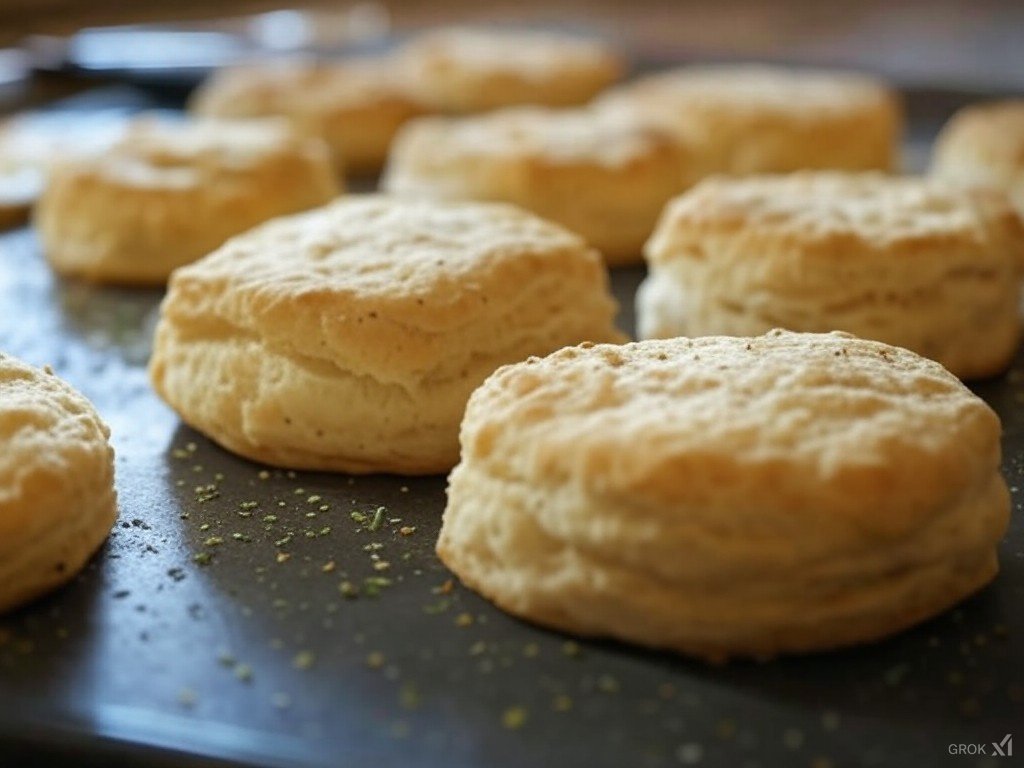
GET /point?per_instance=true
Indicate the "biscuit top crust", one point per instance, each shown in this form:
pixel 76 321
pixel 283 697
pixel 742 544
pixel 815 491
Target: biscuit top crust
pixel 545 136
pixel 299 86
pixel 832 215
pixel 755 89
pixel 187 154
pixel 45 427
pixel 385 279
pixel 798 426
pixel 988 134
pixel 531 55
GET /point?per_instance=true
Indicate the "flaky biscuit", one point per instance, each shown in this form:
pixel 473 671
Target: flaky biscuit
pixel 727 496
pixel 350 338
pixel 465 69
pixel 355 105
pixel 908 261
pixel 984 145
pixel 169 193
pixel 748 119
pixel 57 499
pixel 604 177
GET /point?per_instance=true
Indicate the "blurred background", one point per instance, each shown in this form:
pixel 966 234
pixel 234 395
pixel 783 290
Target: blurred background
pixel 964 44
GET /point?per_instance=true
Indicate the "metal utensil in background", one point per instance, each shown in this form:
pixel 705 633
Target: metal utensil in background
pixel 182 54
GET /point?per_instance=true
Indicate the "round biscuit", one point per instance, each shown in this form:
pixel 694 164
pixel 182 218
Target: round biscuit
pixel 57 498
pixel 727 496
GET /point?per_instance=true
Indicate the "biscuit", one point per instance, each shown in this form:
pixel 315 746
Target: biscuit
pixel 57 499
pixel 31 143
pixel 908 261
pixel 604 177
pixel 757 119
pixel 984 145
pixel 356 106
pixel 350 338
pixel 463 69
pixel 727 497
pixel 169 193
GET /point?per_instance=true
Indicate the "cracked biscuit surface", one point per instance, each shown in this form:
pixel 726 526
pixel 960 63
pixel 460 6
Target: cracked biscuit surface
pixel 727 496
pixel 57 498
pixel 909 261
pixel 350 338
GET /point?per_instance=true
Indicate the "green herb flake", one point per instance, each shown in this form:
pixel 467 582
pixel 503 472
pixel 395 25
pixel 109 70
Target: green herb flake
pixel 513 718
pixel 409 696
pixel 607 684
pixel 378 519
pixel 572 649
pixel 561 703
pixel 348 590
pixel 243 672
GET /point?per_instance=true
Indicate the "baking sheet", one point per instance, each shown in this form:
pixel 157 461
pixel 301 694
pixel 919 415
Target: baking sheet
pixel 214 627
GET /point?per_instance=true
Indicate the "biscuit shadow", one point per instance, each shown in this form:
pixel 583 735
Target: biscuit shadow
pixel 624 284
pixel 956 673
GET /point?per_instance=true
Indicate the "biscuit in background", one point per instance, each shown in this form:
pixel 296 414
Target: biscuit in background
pixel 57 498
pixel 355 105
pixel 983 145
pixel 170 192
pixel 32 143
pixel 465 69
pixel 913 262
pixel 350 338
pixel 605 177
pixel 749 119
pixel 725 497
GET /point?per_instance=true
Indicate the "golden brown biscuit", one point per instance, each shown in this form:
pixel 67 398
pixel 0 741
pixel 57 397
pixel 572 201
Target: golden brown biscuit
pixel 169 193
pixel 908 261
pixel 605 177
pixel 57 499
pixel 474 70
pixel 747 119
pixel 350 338
pixel 984 145
pixel 357 106
pixel 727 497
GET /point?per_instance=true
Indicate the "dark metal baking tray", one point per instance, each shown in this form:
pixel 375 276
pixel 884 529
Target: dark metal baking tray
pixel 191 640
